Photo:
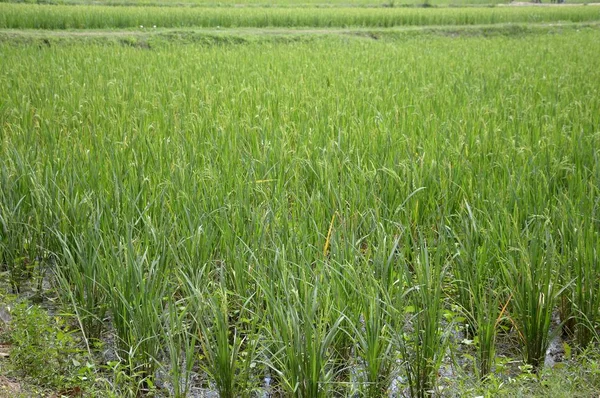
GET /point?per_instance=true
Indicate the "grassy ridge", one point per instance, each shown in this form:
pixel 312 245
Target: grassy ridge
pixel 156 38
pixel 22 16
pixel 336 198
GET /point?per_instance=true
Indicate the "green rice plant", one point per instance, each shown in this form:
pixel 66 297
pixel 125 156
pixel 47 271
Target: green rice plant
pixel 344 262
pixel 221 344
pixel 580 306
pixel 301 328
pixel 138 285
pixel 374 342
pixel 368 318
pixel 180 341
pixel 587 286
pixel 11 247
pixel 225 333
pixel 421 340
pixel 489 314
pixel 477 276
pixel 531 275
pixel 342 280
pixel 565 251
pixel 81 281
pixel 21 231
pixel 469 266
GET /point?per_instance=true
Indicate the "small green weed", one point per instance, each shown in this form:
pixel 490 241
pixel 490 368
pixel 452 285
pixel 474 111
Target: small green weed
pixel 44 350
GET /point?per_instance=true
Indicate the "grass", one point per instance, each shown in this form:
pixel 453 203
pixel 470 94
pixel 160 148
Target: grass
pixel 322 212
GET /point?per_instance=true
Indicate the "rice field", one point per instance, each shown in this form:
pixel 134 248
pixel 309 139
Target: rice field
pixel 305 213
pixel 284 3
pixel 27 16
